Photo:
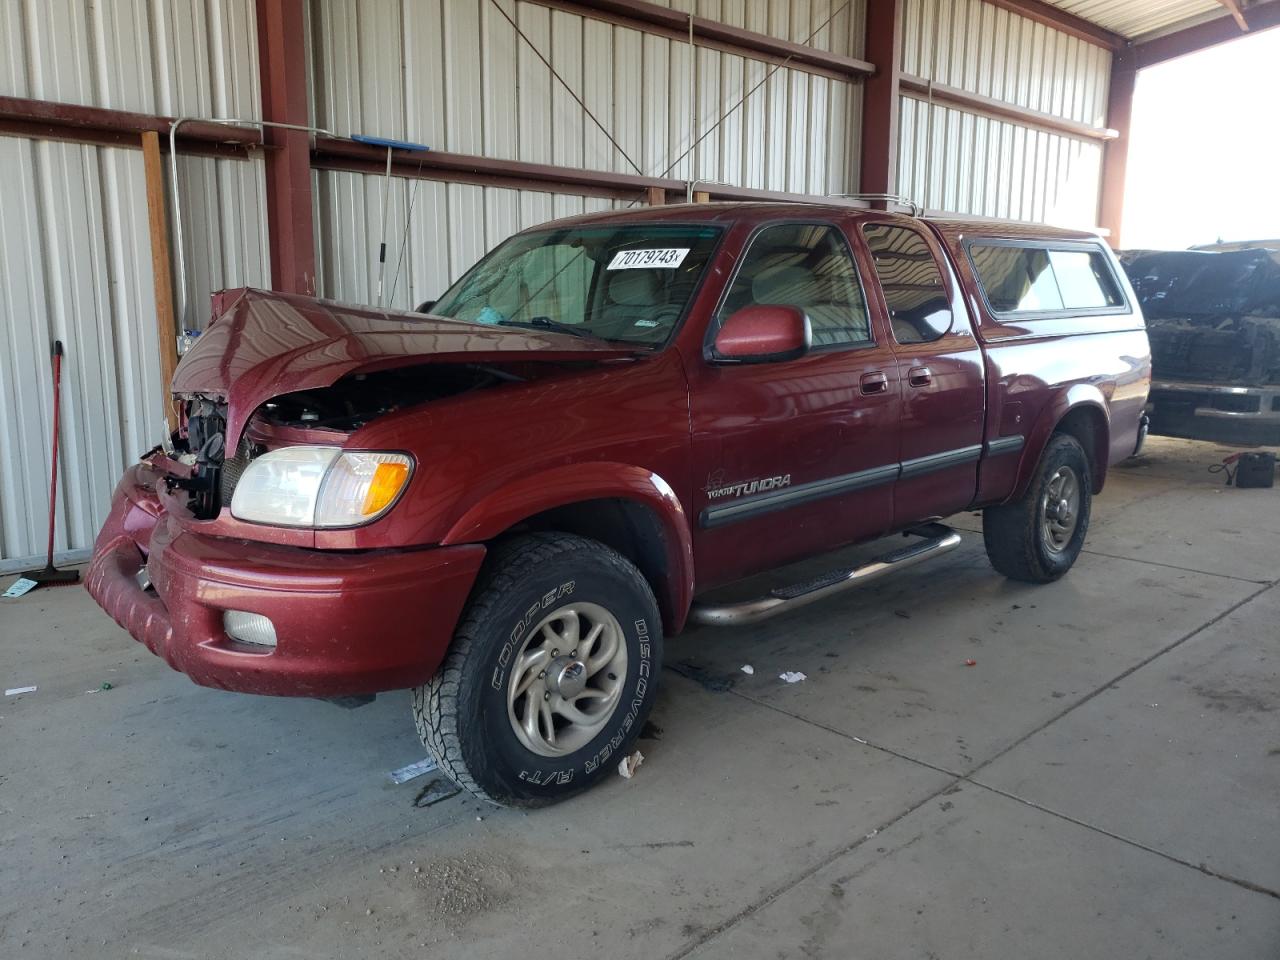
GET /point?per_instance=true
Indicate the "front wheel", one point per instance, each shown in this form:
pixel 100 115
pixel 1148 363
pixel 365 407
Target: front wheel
pixel 1037 537
pixel 551 674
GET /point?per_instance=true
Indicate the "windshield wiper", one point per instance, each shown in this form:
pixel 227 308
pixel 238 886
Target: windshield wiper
pixel 546 323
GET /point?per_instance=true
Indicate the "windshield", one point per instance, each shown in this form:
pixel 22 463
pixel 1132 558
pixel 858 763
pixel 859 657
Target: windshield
pixel 624 282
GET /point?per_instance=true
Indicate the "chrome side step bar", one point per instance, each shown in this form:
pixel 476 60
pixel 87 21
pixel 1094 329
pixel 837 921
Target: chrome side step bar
pixel 940 539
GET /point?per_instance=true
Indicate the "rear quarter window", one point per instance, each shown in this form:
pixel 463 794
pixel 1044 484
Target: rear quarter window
pixel 1028 279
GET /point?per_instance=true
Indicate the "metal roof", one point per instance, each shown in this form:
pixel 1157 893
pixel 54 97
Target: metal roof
pixel 1134 18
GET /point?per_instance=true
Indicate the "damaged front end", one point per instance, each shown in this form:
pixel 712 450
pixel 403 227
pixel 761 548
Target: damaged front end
pixel 1213 320
pixel 249 551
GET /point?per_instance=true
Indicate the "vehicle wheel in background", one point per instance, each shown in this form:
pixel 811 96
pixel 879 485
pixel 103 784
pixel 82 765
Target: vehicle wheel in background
pixel 551 674
pixel 1037 537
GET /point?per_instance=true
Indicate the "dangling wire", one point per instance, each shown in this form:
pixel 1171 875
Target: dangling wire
pixel 404 239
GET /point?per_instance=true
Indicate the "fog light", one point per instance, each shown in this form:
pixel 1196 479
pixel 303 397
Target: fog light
pixel 249 627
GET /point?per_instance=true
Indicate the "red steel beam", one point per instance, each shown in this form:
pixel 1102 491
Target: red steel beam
pixel 921 89
pixel 663 21
pixel 282 67
pixel 1262 16
pixel 878 170
pixel 1059 19
pixel 49 120
pixel 1115 158
pixel 335 153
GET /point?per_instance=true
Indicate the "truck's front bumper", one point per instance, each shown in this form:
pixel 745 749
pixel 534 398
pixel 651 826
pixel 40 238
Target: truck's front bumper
pixel 1215 411
pixel 345 623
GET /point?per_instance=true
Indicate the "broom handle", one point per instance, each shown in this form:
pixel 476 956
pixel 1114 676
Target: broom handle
pixel 57 409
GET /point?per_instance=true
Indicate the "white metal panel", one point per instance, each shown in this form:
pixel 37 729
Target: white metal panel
pixel 75 265
pixel 75 256
pixel 465 81
pixel 984 49
pixel 955 161
pixel 1133 18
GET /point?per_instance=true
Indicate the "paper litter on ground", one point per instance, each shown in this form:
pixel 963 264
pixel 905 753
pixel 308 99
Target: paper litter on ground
pixel 748 669
pixel 792 676
pixel 14 691
pixel 19 587
pixel 405 774
pixel 630 764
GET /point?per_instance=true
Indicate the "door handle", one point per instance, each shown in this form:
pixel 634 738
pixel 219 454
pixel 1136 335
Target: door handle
pixel 920 376
pixel 874 383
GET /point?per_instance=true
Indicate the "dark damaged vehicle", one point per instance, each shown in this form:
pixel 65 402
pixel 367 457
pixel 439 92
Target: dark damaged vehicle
pixel 1214 323
pixel 507 504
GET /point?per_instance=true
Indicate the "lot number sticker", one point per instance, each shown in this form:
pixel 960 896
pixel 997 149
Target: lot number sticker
pixel 664 258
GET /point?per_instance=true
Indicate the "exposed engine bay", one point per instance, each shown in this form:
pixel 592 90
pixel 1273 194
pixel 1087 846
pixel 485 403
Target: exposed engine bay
pixel 1213 319
pixel 344 407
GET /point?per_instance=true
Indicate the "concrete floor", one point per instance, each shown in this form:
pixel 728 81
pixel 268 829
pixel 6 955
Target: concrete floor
pixel 1103 782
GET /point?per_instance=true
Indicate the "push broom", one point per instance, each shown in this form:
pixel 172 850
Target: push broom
pixel 51 574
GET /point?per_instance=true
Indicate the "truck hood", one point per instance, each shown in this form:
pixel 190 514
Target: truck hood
pixel 262 344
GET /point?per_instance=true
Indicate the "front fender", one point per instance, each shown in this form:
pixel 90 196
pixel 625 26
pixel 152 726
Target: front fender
pixel 1077 396
pixel 580 482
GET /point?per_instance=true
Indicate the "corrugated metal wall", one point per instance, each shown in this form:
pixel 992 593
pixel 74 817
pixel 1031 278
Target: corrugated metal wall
pixel 454 74
pixel 75 255
pixel 954 160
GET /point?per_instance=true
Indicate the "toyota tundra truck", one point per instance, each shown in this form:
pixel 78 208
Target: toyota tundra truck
pixel 506 500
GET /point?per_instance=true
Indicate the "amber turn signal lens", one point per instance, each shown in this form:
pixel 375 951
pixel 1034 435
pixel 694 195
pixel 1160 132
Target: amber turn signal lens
pixel 387 481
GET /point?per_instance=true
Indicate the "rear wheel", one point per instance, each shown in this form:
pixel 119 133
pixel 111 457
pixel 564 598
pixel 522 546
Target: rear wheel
pixel 1037 537
pixel 551 674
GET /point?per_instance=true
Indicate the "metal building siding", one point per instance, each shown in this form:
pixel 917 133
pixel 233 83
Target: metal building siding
pixel 954 160
pixel 411 69
pixel 75 253
pixel 1133 18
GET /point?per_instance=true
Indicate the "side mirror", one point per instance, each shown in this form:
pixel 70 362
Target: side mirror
pixel 764 333
pixel 425 306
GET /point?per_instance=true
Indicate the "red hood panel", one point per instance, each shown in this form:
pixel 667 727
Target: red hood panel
pixel 263 344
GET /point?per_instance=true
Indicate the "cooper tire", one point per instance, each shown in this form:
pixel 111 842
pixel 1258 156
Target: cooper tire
pixel 466 714
pixel 1024 538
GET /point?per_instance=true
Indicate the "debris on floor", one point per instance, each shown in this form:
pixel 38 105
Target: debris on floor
pixel 19 587
pixel 792 676
pixel 971 663
pixel 15 691
pixel 630 764
pixel 403 775
pixel 748 669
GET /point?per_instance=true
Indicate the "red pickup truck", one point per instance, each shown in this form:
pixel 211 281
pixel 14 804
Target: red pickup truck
pixel 507 503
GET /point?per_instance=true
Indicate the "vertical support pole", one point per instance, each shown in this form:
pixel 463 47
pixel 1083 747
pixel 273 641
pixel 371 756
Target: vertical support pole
pixel 879 141
pixel 157 221
pixel 282 69
pixel 656 195
pixel 1115 157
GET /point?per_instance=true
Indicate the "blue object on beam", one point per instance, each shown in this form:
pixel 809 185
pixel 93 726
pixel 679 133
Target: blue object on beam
pixel 389 144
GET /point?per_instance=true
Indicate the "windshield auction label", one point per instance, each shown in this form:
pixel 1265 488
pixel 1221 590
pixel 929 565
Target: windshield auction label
pixel 663 258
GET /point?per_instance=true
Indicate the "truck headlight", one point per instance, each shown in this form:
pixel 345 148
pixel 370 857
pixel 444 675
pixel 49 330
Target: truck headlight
pixel 310 486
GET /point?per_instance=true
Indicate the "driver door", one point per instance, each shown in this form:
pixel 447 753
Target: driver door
pixel 795 457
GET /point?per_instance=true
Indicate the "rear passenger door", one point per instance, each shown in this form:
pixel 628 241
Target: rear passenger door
pixel 939 364
pixel 795 457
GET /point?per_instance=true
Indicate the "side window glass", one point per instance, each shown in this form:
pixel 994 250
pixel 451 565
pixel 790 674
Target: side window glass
pixel 808 266
pixel 1026 279
pixel 1016 279
pixel 1084 279
pixel 912 283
